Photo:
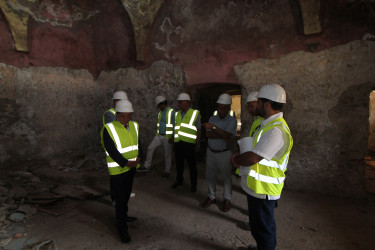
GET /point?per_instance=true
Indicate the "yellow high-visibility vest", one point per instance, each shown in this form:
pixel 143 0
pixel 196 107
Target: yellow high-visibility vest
pixel 112 110
pixel 169 124
pixel 184 129
pixel 267 177
pixel 231 113
pixel 126 143
pixel 255 125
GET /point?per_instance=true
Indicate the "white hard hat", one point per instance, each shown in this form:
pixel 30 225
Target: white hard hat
pixel 183 97
pixel 120 95
pixel 124 106
pixel 273 92
pixel 159 99
pixel 252 97
pixel 224 99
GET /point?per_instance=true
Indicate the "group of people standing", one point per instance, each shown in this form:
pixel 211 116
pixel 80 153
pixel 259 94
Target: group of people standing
pixel 181 129
pixel 261 166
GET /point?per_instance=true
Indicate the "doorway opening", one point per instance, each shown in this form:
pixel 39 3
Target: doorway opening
pixel 204 98
pixel 206 95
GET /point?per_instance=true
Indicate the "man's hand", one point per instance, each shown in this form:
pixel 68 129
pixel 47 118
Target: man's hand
pixel 133 164
pixel 208 125
pixel 234 163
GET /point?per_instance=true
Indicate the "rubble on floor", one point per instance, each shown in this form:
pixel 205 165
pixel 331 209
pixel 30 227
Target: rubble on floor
pixel 45 188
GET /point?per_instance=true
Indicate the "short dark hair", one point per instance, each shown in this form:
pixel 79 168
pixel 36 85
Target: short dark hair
pixel 274 105
pixel 165 102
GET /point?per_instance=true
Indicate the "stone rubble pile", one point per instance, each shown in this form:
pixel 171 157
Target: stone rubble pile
pixel 47 189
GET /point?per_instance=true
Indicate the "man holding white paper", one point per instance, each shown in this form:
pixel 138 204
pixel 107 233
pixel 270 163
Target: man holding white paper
pixel 268 161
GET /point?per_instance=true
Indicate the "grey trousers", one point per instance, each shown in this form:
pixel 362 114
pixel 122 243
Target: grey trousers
pixel 219 163
pixel 156 142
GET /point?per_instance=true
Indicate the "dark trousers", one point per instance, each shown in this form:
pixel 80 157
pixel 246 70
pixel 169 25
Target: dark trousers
pixel 262 222
pixel 111 189
pixel 122 185
pixel 185 150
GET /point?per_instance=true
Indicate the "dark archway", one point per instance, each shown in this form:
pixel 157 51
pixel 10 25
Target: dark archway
pixel 206 95
pixel 204 98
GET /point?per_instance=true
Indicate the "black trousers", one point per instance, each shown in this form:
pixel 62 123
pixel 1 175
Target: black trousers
pixel 262 222
pixel 184 150
pixel 122 185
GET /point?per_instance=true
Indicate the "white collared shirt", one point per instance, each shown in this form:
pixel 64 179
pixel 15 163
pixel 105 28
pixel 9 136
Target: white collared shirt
pixel 271 143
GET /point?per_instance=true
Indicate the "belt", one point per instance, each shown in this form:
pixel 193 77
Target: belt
pixel 218 151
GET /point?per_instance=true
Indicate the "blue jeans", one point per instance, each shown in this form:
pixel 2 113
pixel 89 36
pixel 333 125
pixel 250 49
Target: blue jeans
pixel 262 222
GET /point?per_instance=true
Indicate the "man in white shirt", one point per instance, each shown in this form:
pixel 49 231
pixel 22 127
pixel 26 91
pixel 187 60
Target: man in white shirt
pixel 268 159
pixel 220 131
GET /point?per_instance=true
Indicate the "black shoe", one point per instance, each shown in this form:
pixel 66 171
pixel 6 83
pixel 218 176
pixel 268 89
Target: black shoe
pixel 244 226
pixel 165 176
pixel 252 247
pixel 130 219
pixel 125 237
pixel 208 202
pixel 226 205
pixel 193 189
pixel 142 170
pixel 176 185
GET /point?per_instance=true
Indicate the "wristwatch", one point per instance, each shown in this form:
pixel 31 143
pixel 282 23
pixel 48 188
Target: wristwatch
pixel 213 128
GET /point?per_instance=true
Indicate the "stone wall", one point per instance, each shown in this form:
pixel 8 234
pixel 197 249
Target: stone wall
pixel 327 110
pixel 52 112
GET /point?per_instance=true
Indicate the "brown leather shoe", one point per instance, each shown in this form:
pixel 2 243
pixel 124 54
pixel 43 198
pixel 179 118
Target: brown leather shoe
pixel 226 205
pixel 208 202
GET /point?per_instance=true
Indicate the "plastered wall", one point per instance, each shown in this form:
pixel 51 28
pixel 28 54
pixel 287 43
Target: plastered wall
pixel 49 112
pixel 327 110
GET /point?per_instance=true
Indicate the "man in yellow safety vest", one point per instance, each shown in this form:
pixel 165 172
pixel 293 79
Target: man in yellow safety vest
pixel 110 114
pixel 268 160
pixel 120 140
pixel 164 131
pixel 187 133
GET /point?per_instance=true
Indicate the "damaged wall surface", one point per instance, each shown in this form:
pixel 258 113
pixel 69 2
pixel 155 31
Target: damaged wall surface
pixel 210 37
pixel 207 37
pixel 56 111
pixel 61 61
pixel 72 34
pixel 327 110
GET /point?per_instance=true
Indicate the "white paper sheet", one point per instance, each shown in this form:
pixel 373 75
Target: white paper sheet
pixel 246 144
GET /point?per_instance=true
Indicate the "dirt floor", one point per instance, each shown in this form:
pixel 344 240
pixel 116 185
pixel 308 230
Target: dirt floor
pixel 172 219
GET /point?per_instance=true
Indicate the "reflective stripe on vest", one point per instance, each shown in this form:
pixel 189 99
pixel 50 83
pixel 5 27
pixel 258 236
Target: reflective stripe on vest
pixel 184 129
pixel 112 110
pixel 231 113
pixel 118 142
pixel 168 124
pixel 126 145
pixel 255 125
pixel 267 177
